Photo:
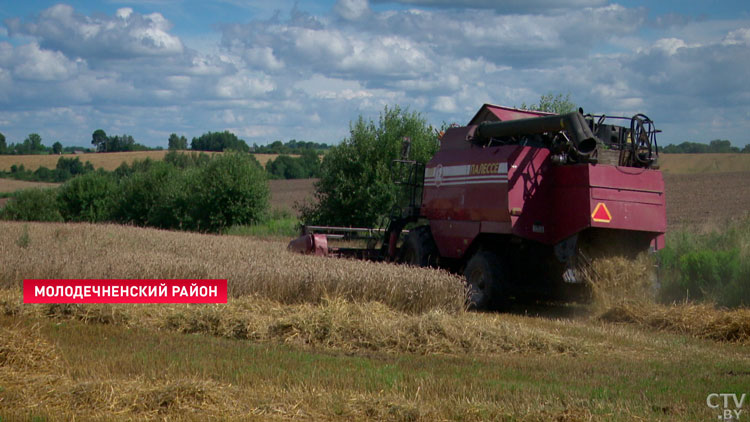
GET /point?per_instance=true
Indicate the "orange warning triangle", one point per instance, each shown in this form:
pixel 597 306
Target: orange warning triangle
pixel 601 213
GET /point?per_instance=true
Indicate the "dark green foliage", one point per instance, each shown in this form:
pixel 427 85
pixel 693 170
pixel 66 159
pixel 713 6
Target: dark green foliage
pixel 310 162
pixel 99 139
pixel 32 205
pixel 206 194
pixel 71 167
pixel 355 187
pixel 104 143
pixel 713 267
pixel 552 103
pixel 187 160
pixel 292 147
pixel 715 146
pixel 231 190
pixel 123 143
pixel 286 167
pixel 125 170
pixel 219 141
pixel 57 148
pixel 147 197
pixel 177 142
pixel 66 169
pixel 89 197
pixel 31 145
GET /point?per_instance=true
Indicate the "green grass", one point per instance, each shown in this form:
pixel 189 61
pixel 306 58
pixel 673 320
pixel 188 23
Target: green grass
pixel 712 266
pixel 280 225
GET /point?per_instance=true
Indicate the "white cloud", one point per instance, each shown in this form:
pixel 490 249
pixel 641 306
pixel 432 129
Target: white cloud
pixel 351 9
pixel 305 77
pixel 242 86
pixel 126 35
pixel 669 46
pixel 29 62
pixel 263 57
pixel 506 6
pixel 738 37
pixel 445 104
pixel 124 13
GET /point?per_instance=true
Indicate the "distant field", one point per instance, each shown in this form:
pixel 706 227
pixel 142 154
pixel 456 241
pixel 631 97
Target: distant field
pixel 704 163
pixel 107 161
pixel 12 185
pixel 285 194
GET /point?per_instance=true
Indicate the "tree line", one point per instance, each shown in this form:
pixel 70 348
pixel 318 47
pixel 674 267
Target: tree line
pixel 714 147
pixel 283 167
pixel 209 141
pixel 185 191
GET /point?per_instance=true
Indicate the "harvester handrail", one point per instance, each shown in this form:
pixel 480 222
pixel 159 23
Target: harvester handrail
pixel 344 229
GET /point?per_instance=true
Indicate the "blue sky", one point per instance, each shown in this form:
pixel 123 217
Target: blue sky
pixel 305 69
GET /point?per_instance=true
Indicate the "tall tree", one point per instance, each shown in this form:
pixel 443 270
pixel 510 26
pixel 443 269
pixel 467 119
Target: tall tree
pixel 31 145
pixel 57 148
pixel 552 103
pixel 99 140
pixel 356 186
pixel 177 142
pixel 3 145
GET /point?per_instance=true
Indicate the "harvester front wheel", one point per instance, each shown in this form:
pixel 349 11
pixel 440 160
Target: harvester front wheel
pixel 485 275
pixel 419 249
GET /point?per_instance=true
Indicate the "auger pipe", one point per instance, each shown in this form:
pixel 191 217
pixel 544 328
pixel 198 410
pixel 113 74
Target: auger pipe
pixel 583 139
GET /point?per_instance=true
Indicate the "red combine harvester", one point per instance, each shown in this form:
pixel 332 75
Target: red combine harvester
pixel 516 200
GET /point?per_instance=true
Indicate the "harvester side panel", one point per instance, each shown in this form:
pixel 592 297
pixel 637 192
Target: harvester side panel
pixel 517 190
pixel 608 197
pixel 529 199
pixel 465 192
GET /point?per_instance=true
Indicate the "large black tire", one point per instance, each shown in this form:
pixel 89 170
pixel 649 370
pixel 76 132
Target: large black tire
pixel 419 249
pixel 486 277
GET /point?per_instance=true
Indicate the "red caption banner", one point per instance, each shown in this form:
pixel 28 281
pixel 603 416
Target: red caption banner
pixel 124 291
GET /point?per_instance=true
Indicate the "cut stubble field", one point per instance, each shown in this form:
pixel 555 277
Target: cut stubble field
pixel 311 338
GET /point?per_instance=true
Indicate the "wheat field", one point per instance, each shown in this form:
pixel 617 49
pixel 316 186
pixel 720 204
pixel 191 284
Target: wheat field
pixel 12 185
pixel 312 338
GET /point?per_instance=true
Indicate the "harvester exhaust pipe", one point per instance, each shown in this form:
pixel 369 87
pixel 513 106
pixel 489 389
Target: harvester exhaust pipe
pixel 583 139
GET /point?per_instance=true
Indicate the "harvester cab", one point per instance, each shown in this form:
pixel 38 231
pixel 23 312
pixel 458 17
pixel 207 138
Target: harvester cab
pixel 517 200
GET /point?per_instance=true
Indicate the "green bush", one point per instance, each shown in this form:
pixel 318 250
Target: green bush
pixel 219 141
pixel 305 166
pixel 355 187
pixel 185 160
pixel 231 190
pixel 89 197
pixel 141 198
pixel 712 267
pixel 209 194
pixel 32 205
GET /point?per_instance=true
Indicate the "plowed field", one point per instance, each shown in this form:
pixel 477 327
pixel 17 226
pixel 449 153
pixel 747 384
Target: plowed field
pixel 695 199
